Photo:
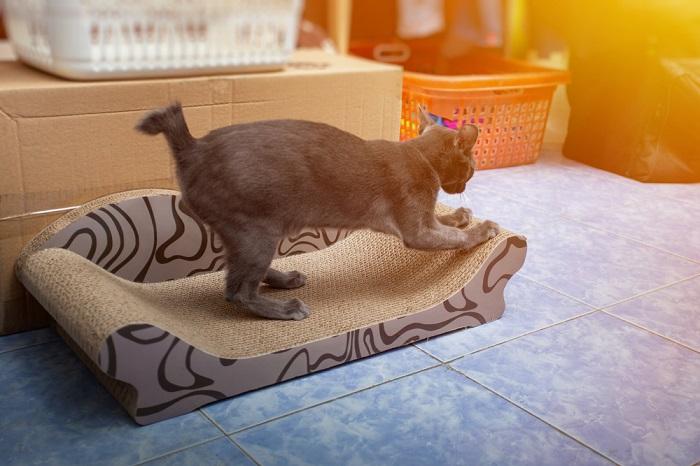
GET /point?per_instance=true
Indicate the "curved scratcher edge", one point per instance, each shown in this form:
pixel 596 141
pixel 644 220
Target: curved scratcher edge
pixel 155 362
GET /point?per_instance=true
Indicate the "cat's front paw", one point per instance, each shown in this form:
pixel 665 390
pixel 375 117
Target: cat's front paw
pixel 296 279
pixel 460 218
pixel 289 280
pixel 463 217
pixel 490 228
pixel 295 309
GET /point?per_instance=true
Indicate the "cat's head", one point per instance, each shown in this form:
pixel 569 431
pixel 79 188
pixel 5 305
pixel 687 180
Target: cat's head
pixel 455 162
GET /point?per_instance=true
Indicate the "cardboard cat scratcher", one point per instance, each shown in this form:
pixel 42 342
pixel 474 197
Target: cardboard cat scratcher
pixel 135 286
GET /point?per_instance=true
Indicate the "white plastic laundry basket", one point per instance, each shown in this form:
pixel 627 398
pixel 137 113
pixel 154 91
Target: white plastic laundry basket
pixel 104 39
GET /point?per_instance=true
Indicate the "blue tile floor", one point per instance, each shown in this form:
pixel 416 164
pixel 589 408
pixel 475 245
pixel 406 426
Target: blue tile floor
pixel 596 360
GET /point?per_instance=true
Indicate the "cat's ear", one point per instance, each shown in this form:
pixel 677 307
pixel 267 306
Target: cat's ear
pixel 424 118
pixel 466 136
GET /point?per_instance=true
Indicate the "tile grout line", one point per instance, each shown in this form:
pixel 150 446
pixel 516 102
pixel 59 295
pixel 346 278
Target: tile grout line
pixel 614 303
pixel 675 199
pixel 558 215
pixel 517 337
pixel 653 290
pixel 431 355
pixel 512 402
pixel 330 400
pixel 206 416
pixel 245 452
pixel 630 238
pixel 177 450
pixel 216 424
pixel 641 327
pixel 566 295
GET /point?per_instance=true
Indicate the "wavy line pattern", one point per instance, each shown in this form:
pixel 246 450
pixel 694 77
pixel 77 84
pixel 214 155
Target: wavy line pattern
pixel 156 238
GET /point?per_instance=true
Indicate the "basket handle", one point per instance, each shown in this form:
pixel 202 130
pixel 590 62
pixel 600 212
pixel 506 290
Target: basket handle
pixel 391 52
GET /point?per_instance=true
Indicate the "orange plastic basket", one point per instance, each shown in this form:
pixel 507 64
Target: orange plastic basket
pixel 508 100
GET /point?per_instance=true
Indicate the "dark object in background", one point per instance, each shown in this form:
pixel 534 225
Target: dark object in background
pixel 634 92
pixel 669 146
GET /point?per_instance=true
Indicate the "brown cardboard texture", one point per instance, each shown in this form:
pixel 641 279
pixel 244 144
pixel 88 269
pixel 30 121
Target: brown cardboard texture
pixel 64 143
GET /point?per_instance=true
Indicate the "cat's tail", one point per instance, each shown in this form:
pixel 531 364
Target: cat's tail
pixel 171 122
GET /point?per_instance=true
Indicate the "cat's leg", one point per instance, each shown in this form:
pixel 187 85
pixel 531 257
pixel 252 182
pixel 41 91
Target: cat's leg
pixel 248 255
pixel 439 236
pixel 460 218
pixel 284 280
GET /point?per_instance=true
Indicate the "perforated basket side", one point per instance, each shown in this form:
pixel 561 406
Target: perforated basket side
pixel 132 38
pixel 26 23
pixel 511 121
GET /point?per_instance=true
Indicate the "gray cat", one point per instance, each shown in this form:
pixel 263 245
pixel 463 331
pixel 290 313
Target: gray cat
pixel 256 183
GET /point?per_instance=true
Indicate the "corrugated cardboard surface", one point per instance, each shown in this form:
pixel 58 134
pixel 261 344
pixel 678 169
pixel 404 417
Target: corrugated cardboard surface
pixel 64 143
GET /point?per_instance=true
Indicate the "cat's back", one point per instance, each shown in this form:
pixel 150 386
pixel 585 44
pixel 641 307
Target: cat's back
pixel 283 135
pixel 299 148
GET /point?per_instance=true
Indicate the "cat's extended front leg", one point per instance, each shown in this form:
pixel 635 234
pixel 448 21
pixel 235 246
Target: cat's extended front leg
pixel 460 218
pixel 248 258
pixel 440 236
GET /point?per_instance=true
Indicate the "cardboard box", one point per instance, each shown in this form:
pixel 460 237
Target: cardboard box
pixel 64 143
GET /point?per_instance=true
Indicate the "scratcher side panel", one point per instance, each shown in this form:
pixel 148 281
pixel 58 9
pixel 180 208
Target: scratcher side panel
pixel 156 238
pixel 172 377
pixel 124 393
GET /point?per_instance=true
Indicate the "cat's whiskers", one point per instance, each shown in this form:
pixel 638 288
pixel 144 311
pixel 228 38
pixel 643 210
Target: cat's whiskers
pixel 463 199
